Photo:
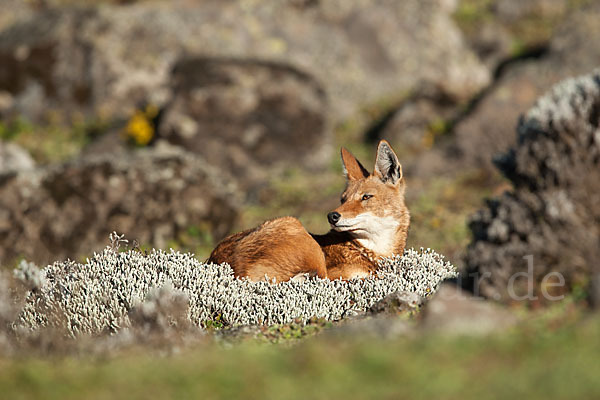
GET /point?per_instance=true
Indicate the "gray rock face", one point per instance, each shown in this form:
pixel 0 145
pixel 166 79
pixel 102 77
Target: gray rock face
pixel 66 210
pixel 247 117
pixel 488 130
pixel 105 60
pixel 453 311
pixel 538 241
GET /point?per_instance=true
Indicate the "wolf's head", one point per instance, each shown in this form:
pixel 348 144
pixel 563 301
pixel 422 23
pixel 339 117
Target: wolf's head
pixel 373 209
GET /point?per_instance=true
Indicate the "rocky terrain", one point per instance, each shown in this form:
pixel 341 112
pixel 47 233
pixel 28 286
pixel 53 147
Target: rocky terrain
pixel 552 214
pixel 177 123
pixel 156 194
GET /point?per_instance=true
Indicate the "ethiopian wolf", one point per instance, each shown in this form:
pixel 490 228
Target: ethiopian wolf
pixel 371 222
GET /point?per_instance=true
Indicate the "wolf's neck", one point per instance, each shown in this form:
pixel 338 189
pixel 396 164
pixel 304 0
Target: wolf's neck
pixel 383 242
pixel 386 242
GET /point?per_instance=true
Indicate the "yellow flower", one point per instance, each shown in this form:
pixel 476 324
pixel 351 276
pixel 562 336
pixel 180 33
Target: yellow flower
pixel 140 128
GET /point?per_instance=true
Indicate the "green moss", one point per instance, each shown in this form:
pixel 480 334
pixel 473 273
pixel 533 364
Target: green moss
pixel 9 130
pixel 439 126
pixel 470 15
pixel 54 141
pixel 293 332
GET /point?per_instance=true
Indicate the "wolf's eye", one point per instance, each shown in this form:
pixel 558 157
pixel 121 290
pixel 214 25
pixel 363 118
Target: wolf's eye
pixel 366 197
pixel 342 200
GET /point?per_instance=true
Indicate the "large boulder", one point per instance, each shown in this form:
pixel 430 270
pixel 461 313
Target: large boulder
pixel 69 210
pixel 247 116
pixel 488 129
pixel 105 60
pixel 542 239
pixel 69 62
pixel 500 32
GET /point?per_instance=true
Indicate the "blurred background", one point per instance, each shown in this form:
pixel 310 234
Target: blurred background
pixel 178 122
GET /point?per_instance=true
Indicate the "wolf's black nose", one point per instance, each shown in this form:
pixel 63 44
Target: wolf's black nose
pixel 333 217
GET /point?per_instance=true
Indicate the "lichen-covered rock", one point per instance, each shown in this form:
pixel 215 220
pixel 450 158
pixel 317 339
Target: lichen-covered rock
pixel 153 195
pixel 99 295
pixel 247 116
pixel 548 228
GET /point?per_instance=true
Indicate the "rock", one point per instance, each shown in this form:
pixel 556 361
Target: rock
pixel 247 117
pixel 69 61
pixel 14 158
pixel 19 10
pixel 152 196
pixel 492 43
pixel 488 129
pixel 375 326
pixel 113 141
pixel 416 121
pixel 500 29
pixel 456 312
pixel 106 60
pixel 397 302
pixel 538 241
pixel 500 32
pixel 552 49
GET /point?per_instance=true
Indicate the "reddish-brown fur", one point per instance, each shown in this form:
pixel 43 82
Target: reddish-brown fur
pixel 278 249
pixel 282 248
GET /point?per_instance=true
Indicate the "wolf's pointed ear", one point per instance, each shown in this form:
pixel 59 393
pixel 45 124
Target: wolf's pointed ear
pixel 387 166
pixel 353 169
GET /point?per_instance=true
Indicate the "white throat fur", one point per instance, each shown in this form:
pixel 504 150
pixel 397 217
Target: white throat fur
pixel 372 232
